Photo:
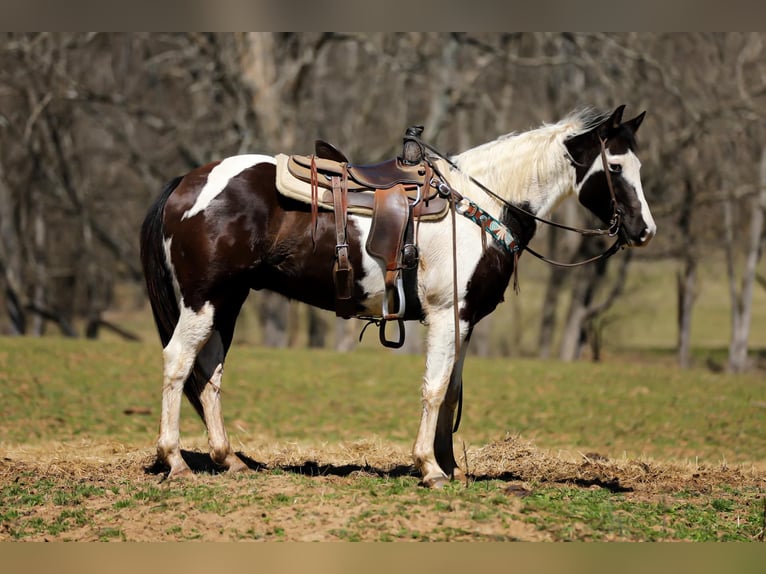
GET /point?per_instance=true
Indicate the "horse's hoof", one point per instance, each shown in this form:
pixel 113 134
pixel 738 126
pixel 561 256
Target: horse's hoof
pixel 234 464
pixel 436 482
pixel 179 472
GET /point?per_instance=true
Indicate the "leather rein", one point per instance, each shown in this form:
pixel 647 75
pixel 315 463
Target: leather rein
pixel 614 224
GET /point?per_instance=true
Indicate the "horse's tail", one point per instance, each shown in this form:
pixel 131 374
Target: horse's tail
pixel 157 273
pixel 159 286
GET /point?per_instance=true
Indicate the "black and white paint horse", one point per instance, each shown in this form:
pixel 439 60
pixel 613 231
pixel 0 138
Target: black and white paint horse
pixel 223 229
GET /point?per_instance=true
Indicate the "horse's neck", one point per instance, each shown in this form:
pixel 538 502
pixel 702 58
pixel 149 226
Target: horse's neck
pixel 524 172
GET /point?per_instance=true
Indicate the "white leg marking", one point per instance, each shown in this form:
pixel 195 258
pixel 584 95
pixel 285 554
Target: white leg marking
pixel 211 359
pixel 191 333
pixel 220 176
pixel 440 358
pixel 443 445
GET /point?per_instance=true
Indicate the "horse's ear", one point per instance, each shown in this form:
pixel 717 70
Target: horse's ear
pixel 616 119
pixel 634 124
pixel 611 123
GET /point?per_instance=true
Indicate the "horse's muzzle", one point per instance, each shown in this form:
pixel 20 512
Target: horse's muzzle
pixel 637 240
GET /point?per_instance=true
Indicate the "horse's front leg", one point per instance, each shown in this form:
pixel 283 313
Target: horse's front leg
pixel 443 448
pixel 440 359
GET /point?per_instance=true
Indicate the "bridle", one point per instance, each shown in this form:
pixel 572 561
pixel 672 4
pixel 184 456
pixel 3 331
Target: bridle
pixel 611 231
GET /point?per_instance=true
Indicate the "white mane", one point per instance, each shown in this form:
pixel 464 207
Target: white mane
pixel 530 167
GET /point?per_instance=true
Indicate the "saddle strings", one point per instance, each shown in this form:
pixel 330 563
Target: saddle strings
pixel 314 200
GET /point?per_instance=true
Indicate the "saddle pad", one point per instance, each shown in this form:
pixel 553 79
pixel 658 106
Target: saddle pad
pixel 360 201
pixel 299 190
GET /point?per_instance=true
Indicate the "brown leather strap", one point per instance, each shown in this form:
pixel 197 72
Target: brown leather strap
pixel 343 271
pixel 341 246
pixel 314 200
pixel 455 309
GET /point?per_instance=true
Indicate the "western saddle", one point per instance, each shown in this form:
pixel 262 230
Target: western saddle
pixel 397 194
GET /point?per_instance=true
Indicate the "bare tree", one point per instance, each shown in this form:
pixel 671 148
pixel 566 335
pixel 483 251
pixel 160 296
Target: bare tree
pixel 742 298
pixel 92 125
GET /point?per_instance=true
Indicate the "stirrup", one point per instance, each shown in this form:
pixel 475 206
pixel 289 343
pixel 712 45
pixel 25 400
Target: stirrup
pixel 401 300
pixel 382 334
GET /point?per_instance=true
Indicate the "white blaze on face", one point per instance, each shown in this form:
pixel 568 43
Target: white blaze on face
pixel 219 177
pixel 631 168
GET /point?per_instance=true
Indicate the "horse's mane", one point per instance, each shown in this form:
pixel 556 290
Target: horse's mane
pixel 518 166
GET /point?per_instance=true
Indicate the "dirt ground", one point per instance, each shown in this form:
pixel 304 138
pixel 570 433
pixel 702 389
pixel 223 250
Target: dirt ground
pixel 319 492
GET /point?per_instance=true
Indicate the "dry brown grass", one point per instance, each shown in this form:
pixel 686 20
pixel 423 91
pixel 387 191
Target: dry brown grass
pixel 318 492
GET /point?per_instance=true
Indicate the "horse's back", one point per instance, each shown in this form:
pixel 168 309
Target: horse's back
pixel 226 222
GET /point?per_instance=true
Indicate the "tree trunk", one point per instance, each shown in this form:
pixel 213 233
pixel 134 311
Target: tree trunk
pixel 585 282
pixel 10 260
pixel 41 270
pixel 273 312
pixel 687 279
pixel 317 328
pixel 345 335
pixel 260 72
pixel 413 338
pixel 556 280
pixel 584 309
pixel 741 308
pixel 573 335
pixel 481 338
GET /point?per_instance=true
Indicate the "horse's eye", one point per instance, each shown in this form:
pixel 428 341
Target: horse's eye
pixel 615 167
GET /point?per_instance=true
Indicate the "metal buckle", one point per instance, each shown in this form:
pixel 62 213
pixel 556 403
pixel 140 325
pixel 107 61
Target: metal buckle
pixel 443 189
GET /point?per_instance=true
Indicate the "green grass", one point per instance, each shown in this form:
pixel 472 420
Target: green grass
pixel 58 389
pixel 577 514
pixel 69 390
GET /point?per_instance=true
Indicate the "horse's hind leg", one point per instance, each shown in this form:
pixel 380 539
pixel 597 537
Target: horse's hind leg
pixel 190 334
pixel 220 449
pixel 211 359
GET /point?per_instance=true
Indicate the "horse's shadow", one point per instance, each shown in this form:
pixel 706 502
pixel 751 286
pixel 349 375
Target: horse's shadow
pixel 201 463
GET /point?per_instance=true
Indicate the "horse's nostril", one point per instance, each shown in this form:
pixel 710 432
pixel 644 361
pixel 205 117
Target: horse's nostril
pixel 646 235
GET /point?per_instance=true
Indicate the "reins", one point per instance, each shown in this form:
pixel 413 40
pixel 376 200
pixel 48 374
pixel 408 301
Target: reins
pixel 612 231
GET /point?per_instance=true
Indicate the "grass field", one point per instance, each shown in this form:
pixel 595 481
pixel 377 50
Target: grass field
pixel 628 449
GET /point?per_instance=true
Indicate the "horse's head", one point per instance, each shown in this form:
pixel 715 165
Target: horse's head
pixel 637 225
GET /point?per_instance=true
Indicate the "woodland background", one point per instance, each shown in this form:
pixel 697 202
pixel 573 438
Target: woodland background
pixel 92 126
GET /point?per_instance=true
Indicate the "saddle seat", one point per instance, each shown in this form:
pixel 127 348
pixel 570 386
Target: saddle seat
pixel 381 175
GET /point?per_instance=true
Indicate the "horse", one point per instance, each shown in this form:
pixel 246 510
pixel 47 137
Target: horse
pixel 224 229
